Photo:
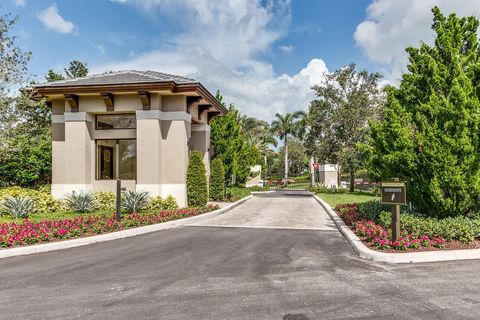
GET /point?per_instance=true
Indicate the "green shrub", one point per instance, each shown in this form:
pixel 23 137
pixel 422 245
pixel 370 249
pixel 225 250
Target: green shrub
pixel 43 201
pixel 235 193
pixel 159 204
pixel 82 201
pixel 155 203
pixel 370 210
pixel 217 180
pixel 19 207
pixel 197 189
pixel 258 188
pixel 458 228
pixel 170 203
pixel 105 200
pixel 133 202
pixel 320 188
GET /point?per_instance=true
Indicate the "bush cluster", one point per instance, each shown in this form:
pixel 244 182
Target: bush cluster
pixel 42 199
pixel 458 228
pixel 236 193
pixel 158 203
pixel 105 200
pixel 379 236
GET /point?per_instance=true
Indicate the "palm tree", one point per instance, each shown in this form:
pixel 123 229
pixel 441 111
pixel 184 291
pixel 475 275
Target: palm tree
pixel 283 126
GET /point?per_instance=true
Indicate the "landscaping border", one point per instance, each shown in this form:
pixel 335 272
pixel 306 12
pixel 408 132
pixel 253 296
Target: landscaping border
pixel 406 257
pixel 73 243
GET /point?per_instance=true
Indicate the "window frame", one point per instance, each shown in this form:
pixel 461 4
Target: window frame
pixel 114 114
pixel 97 173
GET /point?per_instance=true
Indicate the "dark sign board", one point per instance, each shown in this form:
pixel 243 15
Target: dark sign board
pixel 393 192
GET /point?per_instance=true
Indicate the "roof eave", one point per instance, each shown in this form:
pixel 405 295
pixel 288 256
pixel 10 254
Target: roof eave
pixel 172 86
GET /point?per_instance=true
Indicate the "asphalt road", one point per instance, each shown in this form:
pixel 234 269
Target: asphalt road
pixel 203 272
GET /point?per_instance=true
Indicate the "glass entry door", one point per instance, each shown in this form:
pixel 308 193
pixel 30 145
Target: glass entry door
pixel 106 162
pixel 117 157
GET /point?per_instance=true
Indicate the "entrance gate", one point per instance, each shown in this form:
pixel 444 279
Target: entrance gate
pixel 294 182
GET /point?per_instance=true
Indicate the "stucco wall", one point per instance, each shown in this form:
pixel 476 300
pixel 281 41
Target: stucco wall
pixel 162 135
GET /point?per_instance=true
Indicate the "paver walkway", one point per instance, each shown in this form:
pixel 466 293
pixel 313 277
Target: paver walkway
pixel 277 211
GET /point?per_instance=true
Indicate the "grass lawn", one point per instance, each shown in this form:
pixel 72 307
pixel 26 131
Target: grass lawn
pixel 341 198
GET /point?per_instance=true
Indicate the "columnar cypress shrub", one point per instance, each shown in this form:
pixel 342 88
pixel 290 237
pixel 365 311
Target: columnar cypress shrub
pixel 217 178
pixel 197 188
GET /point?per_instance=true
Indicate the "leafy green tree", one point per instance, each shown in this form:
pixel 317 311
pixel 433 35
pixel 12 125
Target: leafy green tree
pixel 338 118
pixel 13 66
pixel 53 76
pixel 197 188
pixel 283 126
pixel 25 143
pixel 297 157
pixel 25 160
pixel 217 180
pixel 76 69
pixel 430 134
pixel 13 60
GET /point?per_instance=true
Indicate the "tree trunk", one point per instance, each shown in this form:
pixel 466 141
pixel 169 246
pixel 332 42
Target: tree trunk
pixel 286 157
pixel 339 176
pixel 352 180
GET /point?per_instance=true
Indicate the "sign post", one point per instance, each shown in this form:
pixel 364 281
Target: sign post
pixel 394 194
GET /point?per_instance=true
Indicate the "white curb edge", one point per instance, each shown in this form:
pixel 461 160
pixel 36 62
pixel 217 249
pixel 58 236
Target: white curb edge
pixel 408 257
pixel 67 244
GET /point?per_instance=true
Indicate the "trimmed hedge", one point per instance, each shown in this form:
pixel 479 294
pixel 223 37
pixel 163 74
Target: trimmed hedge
pixel 236 193
pixel 197 188
pixel 217 180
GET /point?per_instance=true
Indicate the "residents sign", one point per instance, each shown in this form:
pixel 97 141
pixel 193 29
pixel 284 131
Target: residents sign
pixel 393 192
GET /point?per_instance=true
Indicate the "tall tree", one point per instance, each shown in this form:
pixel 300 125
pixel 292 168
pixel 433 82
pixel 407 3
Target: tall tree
pixel 283 126
pixel 76 69
pixel 13 66
pixel 430 135
pixel 24 124
pixel 53 76
pixel 338 117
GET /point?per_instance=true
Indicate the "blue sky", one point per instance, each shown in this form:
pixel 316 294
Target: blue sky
pixel 263 55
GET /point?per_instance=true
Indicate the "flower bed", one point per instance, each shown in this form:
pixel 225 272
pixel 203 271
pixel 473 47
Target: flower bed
pixel 378 237
pixel 26 233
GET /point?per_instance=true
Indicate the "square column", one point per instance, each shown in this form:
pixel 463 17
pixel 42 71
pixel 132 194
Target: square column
pixel 200 141
pixel 76 159
pixel 162 153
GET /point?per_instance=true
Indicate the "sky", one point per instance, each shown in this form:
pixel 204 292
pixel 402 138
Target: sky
pixel 263 55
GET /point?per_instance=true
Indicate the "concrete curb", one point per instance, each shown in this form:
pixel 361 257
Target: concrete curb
pixel 67 244
pixel 408 257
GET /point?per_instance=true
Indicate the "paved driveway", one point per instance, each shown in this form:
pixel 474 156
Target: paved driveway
pixel 232 273
pixel 278 211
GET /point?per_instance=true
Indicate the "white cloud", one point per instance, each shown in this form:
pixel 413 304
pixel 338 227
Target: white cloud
pixel 20 3
pixel 222 48
pixel 100 48
pixel 52 20
pixel 393 25
pixel 286 49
